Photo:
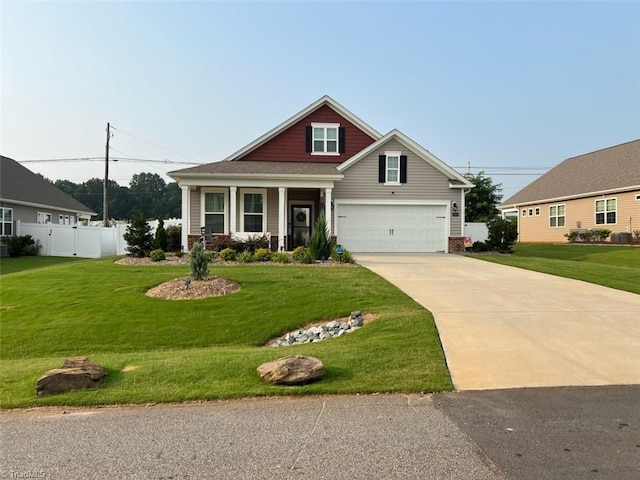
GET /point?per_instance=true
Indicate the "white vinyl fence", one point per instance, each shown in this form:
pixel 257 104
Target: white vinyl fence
pixel 477 231
pixel 75 240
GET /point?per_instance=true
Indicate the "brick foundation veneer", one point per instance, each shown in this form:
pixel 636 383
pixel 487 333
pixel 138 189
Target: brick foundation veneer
pixel 456 245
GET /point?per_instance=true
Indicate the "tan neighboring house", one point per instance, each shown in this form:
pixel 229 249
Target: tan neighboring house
pixel 596 190
pixel 379 193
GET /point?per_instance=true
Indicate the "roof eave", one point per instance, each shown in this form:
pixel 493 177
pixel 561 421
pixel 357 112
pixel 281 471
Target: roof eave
pixel 569 197
pixel 42 205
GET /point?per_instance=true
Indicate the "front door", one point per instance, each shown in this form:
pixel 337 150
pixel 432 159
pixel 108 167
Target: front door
pixel 300 225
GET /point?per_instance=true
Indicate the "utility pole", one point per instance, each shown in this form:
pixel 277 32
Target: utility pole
pixel 105 195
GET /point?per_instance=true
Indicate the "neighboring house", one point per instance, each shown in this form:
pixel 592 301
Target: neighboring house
pixel 379 193
pixel 597 190
pixel 27 197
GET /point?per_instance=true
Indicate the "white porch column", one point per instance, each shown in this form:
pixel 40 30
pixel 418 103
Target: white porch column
pixel 233 216
pixel 186 215
pixel 282 223
pixel 327 210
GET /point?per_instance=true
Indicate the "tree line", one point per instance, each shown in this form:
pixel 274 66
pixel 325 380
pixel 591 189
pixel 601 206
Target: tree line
pixel 147 192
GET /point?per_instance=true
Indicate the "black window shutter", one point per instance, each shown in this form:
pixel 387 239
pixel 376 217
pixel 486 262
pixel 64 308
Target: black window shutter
pixel 309 135
pixel 382 168
pixel 341 140
pixel 403 169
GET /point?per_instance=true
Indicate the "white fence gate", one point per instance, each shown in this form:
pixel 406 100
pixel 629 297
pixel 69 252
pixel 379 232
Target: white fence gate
pixel 75 240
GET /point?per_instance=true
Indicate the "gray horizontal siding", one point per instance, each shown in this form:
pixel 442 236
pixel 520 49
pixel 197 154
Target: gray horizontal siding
pixel 424 182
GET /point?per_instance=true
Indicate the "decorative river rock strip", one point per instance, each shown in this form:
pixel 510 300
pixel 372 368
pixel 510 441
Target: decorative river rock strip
pixel 320 332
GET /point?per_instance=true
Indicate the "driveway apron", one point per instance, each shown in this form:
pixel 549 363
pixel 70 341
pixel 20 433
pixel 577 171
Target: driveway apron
pixel 505 327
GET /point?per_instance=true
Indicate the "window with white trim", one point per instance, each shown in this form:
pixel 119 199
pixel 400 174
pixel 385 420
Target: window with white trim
pixel 606 211
pixel 6 222
pixel 61 219
pixel 524 212
pixel 325 138
pixel 638 197
pixel 392 167
pixel 531 212
pixel 254 210
pixel 214 210
pixel 43 217
pixel 557 216
pixel 537 211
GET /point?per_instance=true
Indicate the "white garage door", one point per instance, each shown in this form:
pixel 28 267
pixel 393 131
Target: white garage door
pixel 392 228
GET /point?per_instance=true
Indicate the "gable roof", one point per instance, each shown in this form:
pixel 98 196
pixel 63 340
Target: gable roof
pixel 610 169
pixel 325 100
pixel 20 185
pixel 456 179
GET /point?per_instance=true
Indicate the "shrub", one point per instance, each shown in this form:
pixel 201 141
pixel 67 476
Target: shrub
pixel 138 236
pixel 297 253
pixel 281 257
pixel 302 255
pixel 220 242
pixel 174 238
pixel 228 255
pixel 601 234
pixel 251 244
pixel 161 241
pixel 179 254
pixel 636 233
pixel 157 255
pixel 346 256
pixel 18 246
pixel 198 262
pixel 262 255
pixel 245 257
pixel 503 234
pixel 479 247
pixel 588 236
pixel 572 236
pixel 319 242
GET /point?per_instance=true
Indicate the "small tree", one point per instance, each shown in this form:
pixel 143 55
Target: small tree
pixel 161 240
pixel 138 236
pixel 198 262
pixel 174 238
pixel 480 203
pixel 503 234
pixel 319 242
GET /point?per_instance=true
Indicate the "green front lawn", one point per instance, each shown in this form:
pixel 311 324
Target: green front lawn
pixel 19 264
pixel 205 349
pixel 611 266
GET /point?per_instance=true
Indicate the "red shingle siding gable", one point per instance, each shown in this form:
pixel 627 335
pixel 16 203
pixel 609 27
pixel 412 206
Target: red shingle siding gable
pixel 289 146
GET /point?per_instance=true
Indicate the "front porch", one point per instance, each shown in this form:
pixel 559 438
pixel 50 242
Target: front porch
pixel 286 215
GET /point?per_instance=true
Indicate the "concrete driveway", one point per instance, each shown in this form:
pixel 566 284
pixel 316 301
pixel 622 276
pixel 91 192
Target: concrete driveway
pixel 504 327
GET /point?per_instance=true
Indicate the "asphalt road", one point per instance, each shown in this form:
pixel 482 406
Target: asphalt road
pixel 566 433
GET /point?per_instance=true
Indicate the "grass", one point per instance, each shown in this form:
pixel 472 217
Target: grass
pixel 207 349
pixel 610 266
pixel 19 264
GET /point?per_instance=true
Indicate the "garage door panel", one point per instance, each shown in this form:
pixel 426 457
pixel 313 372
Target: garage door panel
pixel 392 228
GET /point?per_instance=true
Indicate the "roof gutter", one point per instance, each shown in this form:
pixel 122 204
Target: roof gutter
pixel 506 206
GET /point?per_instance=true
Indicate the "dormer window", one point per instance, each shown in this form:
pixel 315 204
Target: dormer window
pixel 325 139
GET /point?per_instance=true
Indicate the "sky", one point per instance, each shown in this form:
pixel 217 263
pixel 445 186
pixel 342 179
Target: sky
pixel 508 88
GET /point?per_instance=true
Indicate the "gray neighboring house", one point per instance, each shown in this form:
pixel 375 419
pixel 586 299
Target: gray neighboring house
pixel 379 193
pixel 26 197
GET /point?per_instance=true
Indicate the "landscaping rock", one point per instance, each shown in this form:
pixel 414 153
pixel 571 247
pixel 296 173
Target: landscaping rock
pixel 296 370
pixel 355 319
pixel 76 373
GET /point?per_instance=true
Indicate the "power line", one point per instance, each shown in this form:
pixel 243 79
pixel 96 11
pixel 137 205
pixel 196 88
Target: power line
pixel 154 144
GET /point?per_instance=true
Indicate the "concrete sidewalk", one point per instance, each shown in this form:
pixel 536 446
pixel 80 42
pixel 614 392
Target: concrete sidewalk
pixel 505 327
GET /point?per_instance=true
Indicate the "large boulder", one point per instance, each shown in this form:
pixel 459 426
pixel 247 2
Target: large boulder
pixel 76 373
pixel 296 370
